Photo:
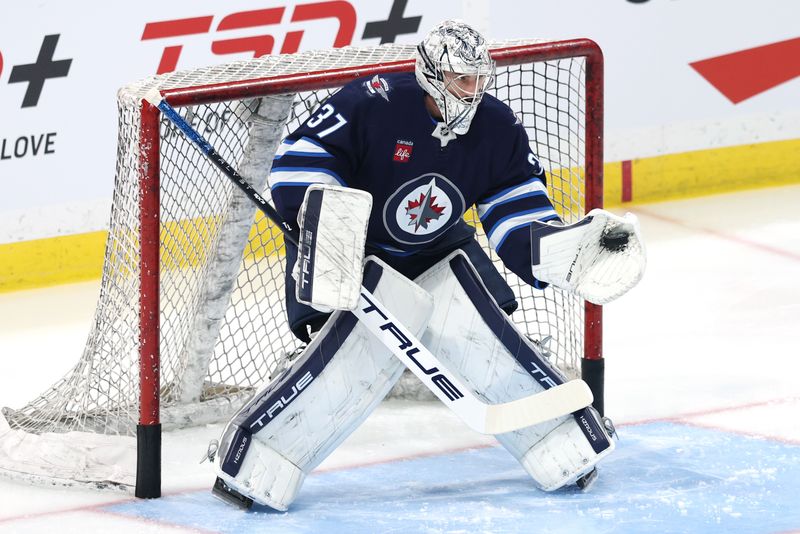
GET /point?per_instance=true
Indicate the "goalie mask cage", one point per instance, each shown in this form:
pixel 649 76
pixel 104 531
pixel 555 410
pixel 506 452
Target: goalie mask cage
pixel 190 318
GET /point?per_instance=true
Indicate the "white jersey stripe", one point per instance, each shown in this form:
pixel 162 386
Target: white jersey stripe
pixel 302 147
pixel 281 176
pixel 283 148
pixel 531 186
pixel 508 225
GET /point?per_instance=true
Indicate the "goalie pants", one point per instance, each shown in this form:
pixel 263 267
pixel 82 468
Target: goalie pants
pixel 302 317
pixel 292 425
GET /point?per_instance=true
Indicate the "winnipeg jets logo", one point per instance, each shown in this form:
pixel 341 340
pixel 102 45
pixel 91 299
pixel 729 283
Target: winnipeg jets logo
pixel 422 209
pixel 378 85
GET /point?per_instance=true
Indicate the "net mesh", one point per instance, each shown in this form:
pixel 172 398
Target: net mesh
pixel 223 329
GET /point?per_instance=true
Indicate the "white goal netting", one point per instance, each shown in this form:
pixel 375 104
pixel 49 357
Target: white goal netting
pixel 223 330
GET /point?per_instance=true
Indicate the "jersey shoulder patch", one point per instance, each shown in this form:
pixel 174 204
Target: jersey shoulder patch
pixel 377 86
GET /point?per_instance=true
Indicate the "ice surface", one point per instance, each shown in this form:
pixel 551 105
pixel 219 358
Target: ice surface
pixel 702 380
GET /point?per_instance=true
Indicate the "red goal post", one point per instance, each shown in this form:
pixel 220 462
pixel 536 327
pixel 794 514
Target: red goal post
pixel 166 337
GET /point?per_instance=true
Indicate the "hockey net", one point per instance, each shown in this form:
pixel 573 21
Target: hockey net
pixel 191 319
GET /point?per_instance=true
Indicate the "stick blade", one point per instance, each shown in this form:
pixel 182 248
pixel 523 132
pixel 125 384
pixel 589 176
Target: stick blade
pixel 549 404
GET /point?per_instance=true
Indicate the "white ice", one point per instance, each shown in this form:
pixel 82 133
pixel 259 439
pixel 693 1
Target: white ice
pixel 709 338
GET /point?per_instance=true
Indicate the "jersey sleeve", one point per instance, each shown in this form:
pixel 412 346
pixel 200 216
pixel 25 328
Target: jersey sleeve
pixel 520 198
pixel 323 150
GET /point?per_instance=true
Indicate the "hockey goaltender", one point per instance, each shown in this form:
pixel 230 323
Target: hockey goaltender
pixel 390 274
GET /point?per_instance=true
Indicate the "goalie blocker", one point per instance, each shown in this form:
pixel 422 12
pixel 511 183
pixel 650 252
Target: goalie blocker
pixel 291 426
pixel 333 231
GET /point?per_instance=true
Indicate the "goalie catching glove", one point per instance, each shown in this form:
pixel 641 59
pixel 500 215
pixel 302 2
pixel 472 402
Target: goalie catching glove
pixel 599 258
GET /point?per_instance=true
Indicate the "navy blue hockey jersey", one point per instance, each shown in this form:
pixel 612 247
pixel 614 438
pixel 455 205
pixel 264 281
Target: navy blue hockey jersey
pixel 375 135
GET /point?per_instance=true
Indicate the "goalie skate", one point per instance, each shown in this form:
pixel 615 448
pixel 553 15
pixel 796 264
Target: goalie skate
pixel 586 481
pixel 229 495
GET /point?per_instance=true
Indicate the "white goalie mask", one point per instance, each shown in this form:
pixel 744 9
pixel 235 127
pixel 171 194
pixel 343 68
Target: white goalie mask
pixel 453 65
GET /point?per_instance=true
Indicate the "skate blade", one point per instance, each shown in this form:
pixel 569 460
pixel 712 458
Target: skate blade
pixel 587 480
pixel 229 495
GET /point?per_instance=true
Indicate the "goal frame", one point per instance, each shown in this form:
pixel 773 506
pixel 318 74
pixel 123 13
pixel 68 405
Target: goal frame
pixel 148 469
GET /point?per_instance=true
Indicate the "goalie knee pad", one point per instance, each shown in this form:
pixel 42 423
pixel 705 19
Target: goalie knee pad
pixel 479 342
pixel 293 424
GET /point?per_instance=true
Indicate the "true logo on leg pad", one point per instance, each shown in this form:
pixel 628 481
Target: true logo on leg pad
pixel 283 401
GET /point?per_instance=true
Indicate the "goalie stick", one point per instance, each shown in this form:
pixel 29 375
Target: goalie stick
pixel 480 416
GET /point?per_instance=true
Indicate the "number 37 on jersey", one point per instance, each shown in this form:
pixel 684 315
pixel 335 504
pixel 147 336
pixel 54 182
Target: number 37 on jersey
pixel 325 113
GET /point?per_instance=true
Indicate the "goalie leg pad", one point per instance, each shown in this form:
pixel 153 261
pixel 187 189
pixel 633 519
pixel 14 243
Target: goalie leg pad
pixel 293 424
pixel 257 471
pixel 472 335
pixel 565 454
